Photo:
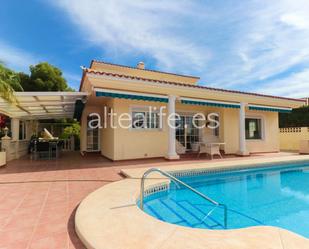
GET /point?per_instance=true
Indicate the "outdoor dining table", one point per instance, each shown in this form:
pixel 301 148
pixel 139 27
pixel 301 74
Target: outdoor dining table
pixel 212 148
pixel 50 148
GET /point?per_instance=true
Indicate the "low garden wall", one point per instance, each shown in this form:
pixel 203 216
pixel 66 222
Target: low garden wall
pixel 290 137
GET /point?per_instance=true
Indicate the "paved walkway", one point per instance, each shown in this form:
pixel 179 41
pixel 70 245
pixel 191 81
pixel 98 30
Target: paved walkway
pixel 38 199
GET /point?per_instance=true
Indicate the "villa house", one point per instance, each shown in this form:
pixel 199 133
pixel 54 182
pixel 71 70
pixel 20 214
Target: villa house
pixel 248 121
pixel 306 100
pixel 144 100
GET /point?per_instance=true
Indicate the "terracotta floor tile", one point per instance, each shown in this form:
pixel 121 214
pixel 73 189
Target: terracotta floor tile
pixel 21 221
pixel 28 211
pixel 4 221
pixel 17 245
pixel 40 198
pixel 50 228
pixel 9 204
pixel 44 243
pixel 8 237
pixel 5 213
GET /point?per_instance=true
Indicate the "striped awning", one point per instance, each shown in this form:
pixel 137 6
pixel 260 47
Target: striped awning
pixel 204 102
pixel 100 92
pixel 270 108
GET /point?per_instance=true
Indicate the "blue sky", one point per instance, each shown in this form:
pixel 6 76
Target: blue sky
pixel 259 46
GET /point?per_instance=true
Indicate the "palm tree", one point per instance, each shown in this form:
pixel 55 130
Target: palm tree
pixel 7 92
pixel 9 82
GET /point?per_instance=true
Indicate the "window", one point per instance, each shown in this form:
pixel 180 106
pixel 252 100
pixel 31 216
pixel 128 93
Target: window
pixel 145 120
pixel 138 120
pixel 253 128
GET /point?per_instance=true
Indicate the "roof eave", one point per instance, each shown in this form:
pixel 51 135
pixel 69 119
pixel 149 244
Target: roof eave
pixel 91 71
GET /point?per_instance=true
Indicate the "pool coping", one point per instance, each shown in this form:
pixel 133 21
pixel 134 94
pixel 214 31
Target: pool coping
pixel 109 217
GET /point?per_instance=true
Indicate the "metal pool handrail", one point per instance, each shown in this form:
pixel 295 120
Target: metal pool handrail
pixel 173 178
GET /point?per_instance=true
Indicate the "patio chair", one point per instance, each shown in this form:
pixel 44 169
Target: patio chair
pixel 53 149
pixel 42 150
pixel 180 149
pixel 210 145
pixel 210 149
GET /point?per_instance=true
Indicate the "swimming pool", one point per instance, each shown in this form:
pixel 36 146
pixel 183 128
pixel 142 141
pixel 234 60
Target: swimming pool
pixel 275 196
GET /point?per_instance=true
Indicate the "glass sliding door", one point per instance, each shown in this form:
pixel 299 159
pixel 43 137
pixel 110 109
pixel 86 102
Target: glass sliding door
pixel 180 130
pixel 187 133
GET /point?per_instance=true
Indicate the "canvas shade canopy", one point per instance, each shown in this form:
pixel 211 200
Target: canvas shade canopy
pixel 42 105
pixel 213 103
pixel 270 108
pixel 101 92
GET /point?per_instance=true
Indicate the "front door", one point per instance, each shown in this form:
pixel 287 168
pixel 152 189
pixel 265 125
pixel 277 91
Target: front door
pixel 186 133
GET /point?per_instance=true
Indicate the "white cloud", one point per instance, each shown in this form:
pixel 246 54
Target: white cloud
pixel 268 42
pixel 229 44
pixel 16 58
pixel 298 20
pixel 147 27
pixel 296 85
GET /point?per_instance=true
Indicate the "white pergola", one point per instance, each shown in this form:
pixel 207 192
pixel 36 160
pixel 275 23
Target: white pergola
pixel 42 105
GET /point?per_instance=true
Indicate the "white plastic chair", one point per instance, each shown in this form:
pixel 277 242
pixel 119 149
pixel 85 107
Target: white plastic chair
pixel 180 149
pixel 210 145
pixel 210 149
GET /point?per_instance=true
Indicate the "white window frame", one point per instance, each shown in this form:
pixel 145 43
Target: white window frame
pixel 136 108
pixel 99 138
pixel 262 118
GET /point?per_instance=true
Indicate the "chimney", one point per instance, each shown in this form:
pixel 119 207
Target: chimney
pixel 141 65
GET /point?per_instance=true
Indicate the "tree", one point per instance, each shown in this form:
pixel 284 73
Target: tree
pixel 299 117
pixel 72 130
pixel 9 82
pixel 43 77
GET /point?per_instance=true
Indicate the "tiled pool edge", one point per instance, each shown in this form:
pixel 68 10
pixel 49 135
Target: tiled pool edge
pixel 213 167
pixel 193 172
pixel 99 213
pixel 163 187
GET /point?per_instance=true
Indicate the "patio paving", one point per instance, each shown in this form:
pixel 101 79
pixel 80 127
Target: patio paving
pixel 38 199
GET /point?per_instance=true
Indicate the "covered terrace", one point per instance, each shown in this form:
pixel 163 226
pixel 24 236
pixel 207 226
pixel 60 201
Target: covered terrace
pixel 23 118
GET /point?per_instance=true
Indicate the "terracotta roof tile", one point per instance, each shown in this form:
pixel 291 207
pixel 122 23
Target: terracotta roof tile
pixel 88 70
pixel 150 70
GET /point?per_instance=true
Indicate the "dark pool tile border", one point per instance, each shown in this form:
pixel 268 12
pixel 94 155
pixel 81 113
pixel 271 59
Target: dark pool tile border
pixel 231 169
pixel 163 187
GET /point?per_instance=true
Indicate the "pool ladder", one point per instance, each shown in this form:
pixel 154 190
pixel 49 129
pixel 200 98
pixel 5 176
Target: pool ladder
pixel 177 181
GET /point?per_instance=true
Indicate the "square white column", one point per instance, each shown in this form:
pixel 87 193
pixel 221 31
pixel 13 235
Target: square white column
pixel 171 154
pixel 242 131
pixel 15 129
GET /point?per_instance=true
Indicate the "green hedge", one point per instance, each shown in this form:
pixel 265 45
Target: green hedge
pixel 297 118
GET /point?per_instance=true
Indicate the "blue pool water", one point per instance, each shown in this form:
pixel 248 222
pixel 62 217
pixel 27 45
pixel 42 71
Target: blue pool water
pixel 276 196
